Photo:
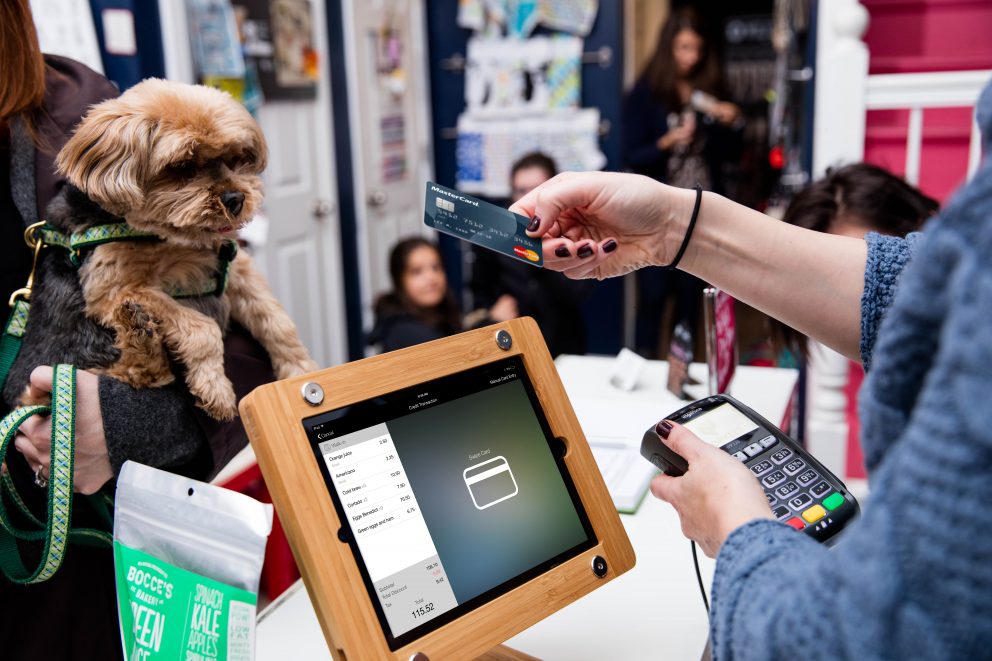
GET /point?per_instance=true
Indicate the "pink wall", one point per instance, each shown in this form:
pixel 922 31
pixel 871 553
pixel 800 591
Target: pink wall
pixel 906 36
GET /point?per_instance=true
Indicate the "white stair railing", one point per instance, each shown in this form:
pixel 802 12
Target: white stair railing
pixel 844 93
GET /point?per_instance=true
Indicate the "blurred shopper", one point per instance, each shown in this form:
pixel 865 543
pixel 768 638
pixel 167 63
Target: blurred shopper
pixel 499 282
pixel 420 307
pixel 852 201
pixel 678 129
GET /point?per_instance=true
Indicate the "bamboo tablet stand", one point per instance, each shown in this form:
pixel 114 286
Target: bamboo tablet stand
pixel 272 416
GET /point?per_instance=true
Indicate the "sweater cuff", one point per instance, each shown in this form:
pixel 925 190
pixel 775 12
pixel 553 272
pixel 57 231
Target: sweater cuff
pixel 745 550
pixel 153 426
pixel 887 257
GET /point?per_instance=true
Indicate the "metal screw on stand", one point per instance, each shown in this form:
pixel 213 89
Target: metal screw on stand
pixel 312 393
pixel 503 340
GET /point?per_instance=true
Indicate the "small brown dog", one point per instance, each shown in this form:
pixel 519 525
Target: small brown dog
pixel 181 162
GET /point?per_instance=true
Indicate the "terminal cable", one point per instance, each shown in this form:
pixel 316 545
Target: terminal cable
pixel 699 577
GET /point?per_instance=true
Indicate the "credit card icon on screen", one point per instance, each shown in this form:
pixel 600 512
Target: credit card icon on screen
pixel 490 482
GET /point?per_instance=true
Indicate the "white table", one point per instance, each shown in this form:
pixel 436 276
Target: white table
pixel 654 611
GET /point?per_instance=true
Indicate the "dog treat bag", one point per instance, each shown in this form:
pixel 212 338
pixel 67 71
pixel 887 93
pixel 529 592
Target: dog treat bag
pixel 188 556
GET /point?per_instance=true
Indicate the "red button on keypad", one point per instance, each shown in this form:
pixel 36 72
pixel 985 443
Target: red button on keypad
pixel 796 523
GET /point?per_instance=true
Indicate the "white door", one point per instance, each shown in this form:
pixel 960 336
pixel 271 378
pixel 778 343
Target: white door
pixel 301 253
pixel 389 102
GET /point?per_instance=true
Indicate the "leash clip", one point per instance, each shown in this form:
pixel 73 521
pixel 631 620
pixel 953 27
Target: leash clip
pixel 34 242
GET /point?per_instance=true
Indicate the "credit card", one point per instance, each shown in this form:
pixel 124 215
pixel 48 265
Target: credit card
pixel 476 221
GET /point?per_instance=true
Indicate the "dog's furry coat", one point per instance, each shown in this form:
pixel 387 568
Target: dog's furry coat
pixel 181 162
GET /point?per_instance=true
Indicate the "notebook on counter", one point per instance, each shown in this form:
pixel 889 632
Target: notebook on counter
pixel 614 430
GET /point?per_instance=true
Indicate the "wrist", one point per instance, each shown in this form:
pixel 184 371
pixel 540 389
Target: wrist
pixel 674 223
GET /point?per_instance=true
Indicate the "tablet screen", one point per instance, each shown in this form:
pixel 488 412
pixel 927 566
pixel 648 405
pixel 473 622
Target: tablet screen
pixel 451 492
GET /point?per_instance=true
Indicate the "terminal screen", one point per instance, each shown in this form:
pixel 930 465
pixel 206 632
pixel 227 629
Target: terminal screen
pixel 721 425
pixel 451 492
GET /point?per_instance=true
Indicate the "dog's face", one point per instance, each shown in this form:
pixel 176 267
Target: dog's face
pixel 182 161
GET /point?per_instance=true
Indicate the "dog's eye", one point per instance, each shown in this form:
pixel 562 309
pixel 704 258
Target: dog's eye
pixel 184 169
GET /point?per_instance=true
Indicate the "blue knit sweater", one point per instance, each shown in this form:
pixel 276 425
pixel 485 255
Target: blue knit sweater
pixel 912 579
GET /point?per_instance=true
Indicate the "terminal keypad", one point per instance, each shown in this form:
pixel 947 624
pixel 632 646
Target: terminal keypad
pixel 797 494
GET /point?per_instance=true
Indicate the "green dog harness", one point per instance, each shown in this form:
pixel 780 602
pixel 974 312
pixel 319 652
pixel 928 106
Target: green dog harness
pixel 17 523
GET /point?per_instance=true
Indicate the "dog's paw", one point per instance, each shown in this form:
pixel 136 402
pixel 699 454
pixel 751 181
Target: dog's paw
pixel 296 368
pixel 220 402
pixel 131 317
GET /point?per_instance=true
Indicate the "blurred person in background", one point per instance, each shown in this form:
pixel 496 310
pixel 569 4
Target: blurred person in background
pixel 678 129
pixel 420 307
pixel 501 283
pixel 851 201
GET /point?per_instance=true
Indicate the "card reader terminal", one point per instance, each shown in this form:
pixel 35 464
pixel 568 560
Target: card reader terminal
pixel 801 492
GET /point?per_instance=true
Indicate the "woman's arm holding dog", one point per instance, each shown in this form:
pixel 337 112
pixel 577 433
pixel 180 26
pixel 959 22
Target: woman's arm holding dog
pixel 113 425
pixel 197 445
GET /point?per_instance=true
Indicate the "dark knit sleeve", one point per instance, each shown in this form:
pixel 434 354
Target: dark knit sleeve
pixel 887 257
pixel 154 426
pixel 162 427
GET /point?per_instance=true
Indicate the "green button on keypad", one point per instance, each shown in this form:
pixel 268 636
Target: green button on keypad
pixel 833 501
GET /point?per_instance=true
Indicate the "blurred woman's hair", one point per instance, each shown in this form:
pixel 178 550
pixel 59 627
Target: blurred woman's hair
pixel 22 68
pixel 862 195
pixel 535 159
pixel 660 71
pixel 445 316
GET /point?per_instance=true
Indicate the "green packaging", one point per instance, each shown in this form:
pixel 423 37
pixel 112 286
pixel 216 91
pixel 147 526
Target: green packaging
pixel 176 614
pixel 187 556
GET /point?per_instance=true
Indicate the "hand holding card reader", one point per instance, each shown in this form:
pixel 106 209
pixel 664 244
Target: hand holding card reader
pixel 800 491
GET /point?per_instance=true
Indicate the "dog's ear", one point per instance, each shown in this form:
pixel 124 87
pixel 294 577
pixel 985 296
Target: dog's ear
pixel 107 156
pixel 257 148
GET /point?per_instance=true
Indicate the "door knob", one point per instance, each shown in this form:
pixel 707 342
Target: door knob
pixel 321 208
pixel 377 198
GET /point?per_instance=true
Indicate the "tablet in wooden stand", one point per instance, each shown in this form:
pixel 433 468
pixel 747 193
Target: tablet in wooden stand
pixel 439 499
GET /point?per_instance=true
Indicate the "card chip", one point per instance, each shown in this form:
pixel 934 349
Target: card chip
pixel 490 482
pixel 447 205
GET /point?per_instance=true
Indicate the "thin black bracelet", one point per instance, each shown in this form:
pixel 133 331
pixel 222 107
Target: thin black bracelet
pixel 688 232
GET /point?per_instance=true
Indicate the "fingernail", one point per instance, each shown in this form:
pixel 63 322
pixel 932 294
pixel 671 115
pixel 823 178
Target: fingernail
pixel 562 251
pixel 610 246
pixel 534 224
pixel 585 251
pixel 664 428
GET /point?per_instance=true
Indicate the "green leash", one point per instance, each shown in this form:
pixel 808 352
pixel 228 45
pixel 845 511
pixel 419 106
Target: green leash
pixel 54 535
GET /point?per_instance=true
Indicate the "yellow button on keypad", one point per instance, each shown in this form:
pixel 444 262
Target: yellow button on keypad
pixel 814 514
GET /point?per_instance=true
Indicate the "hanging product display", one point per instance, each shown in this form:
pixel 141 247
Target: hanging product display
pixel 518 18
pixel 522 77
pixel 575 16
pixel 523 95
pixel 214 39
pixel 487 148
pixel 292 34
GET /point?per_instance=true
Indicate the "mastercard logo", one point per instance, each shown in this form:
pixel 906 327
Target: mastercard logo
pixel 524 253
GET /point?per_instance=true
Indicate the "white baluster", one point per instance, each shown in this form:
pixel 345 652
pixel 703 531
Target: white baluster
pixel 827 428
pixel 841 79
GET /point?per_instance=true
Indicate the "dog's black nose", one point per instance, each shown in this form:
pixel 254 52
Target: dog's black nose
pixel 233 200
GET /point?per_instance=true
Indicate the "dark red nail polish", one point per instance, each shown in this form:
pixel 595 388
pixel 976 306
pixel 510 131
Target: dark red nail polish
pixel 534 224
pixel 610 246
pixel 562 251
pixel 585 251
pixel 664 428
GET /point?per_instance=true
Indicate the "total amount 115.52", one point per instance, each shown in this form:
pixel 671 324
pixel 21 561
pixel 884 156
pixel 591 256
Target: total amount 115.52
pixel 423 610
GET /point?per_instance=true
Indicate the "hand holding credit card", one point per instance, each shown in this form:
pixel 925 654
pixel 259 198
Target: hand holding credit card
pixel 481 223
